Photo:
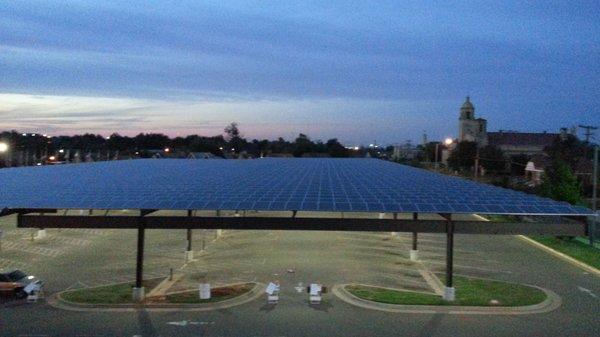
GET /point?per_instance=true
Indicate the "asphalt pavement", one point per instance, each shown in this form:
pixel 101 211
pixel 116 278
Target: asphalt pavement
pixel 77 258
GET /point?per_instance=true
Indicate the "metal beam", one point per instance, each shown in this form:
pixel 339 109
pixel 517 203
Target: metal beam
pixel 8 211
pixel 286 223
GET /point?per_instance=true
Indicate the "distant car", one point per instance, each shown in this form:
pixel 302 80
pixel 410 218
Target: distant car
pixel 15 282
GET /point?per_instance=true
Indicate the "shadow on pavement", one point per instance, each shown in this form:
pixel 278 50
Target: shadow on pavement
pixel 431 328
pixel 323 306
pixel 267 307
pixel 145 324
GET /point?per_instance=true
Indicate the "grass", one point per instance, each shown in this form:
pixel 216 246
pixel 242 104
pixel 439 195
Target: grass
pixel 121 294
pixel 393 296
pixel 576 249
pixel 217 294
pixel 469 292
pixel 112 294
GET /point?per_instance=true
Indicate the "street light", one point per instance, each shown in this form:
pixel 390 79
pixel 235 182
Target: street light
pixel 447 142
pixel 3 147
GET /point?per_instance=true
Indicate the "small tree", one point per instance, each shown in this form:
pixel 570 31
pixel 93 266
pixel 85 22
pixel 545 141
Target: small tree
pixel 559 183
pixel 335 149
pixel 492 159
pixel 518 164
pixel 302 145
pixel 463 156
pixel 234 137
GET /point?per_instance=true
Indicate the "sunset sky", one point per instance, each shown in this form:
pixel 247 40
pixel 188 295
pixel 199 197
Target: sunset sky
pixel 355 70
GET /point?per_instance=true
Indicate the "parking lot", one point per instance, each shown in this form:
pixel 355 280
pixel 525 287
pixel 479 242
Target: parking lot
pixel 76 258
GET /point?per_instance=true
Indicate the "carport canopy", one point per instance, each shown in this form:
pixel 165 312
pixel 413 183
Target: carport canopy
pixel 272 193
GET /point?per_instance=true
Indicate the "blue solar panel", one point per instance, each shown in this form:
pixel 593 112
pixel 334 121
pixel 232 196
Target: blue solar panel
pixel 269 184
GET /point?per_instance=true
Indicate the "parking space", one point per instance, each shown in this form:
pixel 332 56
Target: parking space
pixel 74 258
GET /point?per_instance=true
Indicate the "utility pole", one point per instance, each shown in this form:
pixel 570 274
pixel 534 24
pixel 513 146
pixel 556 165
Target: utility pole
pixel 589 132
pixel 594 194
pixel 477 164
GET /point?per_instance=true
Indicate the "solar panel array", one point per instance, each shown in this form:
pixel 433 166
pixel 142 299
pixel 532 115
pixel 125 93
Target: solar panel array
pixel 269 184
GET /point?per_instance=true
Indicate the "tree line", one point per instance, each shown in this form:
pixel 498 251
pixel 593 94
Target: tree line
pixel 230 143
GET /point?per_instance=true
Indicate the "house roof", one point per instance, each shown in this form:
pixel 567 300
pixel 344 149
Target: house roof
pixel 540 161
pixel 202 155
pixel 521 138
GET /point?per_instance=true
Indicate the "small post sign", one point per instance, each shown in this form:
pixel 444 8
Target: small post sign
pixel 204 291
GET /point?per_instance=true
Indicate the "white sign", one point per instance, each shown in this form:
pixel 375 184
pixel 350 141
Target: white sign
pixel 33 287
pixel 315 289
pixel 272 288
pixel 204 291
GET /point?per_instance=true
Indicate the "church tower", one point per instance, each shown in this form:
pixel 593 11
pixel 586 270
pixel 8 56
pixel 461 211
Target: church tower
pixel 470 128
pixel 467 110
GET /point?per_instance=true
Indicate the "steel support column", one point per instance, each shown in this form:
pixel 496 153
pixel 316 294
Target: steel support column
pixel 449 289
pixel 138 291
pixel 414 234
pixel 189 240
pixel 189 234
pixel 139 268
pixel 414 252
pixel 189 253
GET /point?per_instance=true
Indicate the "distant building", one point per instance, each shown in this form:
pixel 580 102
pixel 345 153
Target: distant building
pixel 510 142
pixel 406 151
pixel 470 128
pixel 538 164
pixel 201 155
pixel 536 167
pixel 528 143
pixel 315 155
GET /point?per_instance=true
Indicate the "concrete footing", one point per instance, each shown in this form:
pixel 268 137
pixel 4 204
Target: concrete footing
pixel 414 255
pixel 138 294
pixel 189 255
pixel 41 234
pixel 219 232
pixel 449 294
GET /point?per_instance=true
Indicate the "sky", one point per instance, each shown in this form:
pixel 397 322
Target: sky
pixel 359 71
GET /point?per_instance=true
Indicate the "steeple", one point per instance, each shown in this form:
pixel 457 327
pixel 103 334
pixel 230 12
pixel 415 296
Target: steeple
pixel 467 110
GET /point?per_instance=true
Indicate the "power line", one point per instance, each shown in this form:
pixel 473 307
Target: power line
pixel 589 131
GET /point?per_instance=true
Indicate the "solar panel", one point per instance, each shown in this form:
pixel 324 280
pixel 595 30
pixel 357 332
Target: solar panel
pixel 268 184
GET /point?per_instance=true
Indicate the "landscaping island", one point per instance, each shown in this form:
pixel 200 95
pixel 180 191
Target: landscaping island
pixel 469 292
pixel 121 294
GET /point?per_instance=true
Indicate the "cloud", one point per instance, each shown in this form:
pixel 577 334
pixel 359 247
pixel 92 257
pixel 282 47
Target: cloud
pixel 321 119
pixel 342 69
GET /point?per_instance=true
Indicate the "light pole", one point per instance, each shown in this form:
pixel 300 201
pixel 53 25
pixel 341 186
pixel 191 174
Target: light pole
pixel 447 142
pixel 3 149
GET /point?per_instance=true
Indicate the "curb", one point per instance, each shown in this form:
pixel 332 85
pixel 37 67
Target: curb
pixel 57 302
pixel 552 302
pixel 563 256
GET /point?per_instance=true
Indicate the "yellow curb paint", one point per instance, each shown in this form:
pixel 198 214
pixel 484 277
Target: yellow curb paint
pixel 563 256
